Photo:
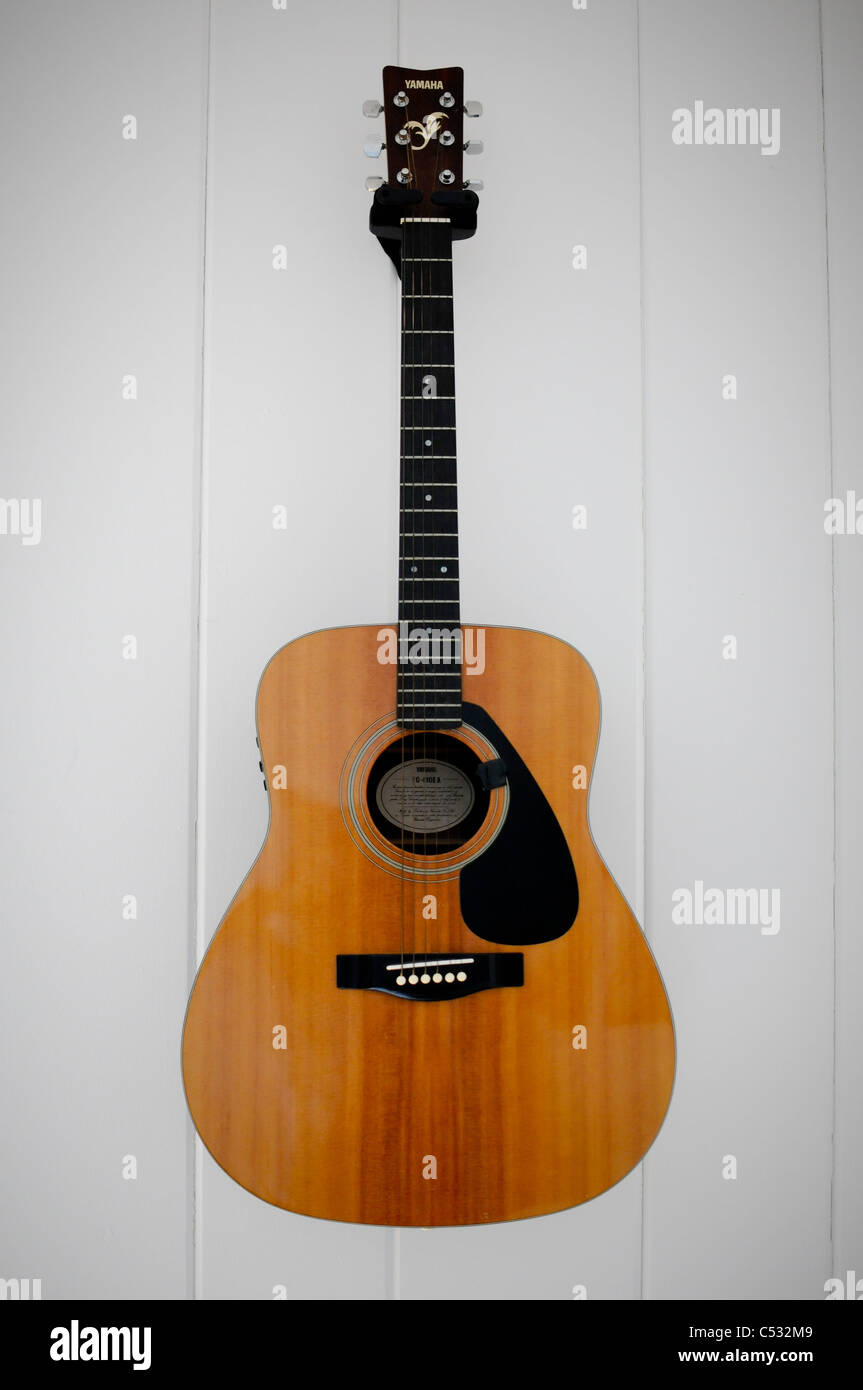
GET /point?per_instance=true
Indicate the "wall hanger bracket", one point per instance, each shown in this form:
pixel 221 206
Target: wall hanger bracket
pixel 390 204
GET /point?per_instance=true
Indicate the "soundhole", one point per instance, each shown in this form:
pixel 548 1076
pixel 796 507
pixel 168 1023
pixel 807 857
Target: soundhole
pixel 424 793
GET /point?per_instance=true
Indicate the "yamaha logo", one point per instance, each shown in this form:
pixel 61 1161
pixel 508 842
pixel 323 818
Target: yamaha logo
pixel 421 82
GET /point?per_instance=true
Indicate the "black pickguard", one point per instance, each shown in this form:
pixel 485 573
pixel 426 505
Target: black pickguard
pixel 523 889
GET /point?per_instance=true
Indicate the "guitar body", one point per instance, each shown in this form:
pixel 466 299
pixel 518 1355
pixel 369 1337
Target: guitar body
pixel 528 1086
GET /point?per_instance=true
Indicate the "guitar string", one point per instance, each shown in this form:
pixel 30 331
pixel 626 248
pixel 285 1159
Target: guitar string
pixel 419 238
pixel 409 245
pixel 419 447
pixel 407 830
pixel 402 591
pixel 440 244
pixel 437 474
pixel 430 414
pixel 424 241
pixel 419 242
pixel 419 547
pixel 408 833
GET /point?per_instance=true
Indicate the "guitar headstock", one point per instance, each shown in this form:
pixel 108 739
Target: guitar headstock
pixel 424 115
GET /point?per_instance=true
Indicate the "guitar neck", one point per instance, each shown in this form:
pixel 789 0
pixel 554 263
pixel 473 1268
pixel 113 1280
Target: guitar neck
pixel 429 686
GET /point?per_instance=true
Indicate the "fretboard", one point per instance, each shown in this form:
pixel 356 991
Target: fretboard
pixel 429 666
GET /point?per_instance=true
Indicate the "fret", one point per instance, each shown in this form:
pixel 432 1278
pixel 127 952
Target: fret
pixel 421 482
pixel 419 427
pixel 410 721
pixel 419 418
pixel 420 478
pixel 424 511
pixel 443 677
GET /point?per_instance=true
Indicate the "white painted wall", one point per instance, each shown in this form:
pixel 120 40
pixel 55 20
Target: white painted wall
pixel 100 278
pixel 259 386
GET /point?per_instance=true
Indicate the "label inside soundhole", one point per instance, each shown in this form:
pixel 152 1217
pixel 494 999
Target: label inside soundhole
pixel 425 796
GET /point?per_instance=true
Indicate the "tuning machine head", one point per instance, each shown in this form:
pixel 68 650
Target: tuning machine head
pixel 424 142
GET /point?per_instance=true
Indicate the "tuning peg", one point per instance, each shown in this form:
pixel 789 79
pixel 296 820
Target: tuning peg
pixel 373 183
pixel 475 185
pixel 473 147
pixel 473 108
pixel 372 148
pixel 372 109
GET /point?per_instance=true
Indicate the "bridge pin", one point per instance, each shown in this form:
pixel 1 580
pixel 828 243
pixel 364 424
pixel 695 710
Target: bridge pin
pixel 437 978
pixel 413 979
pixel 400 980
pixel 425 979
pixel 462 975
pixel 449 977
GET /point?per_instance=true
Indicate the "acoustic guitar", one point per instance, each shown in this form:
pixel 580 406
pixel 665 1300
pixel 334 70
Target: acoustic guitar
pixel 428 1003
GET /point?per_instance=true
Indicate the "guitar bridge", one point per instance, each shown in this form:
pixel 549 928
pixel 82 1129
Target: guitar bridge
pixel 430 976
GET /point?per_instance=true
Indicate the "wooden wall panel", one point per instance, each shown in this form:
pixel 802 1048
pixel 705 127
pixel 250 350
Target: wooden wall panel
pixel 739 751
pixel 101 282
pixel 300 412
pixel 842 33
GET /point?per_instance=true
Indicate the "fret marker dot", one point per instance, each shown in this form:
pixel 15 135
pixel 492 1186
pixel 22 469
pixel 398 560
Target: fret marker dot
pixel 428 496
pixel 443 569
pixel 413 569
pixel 428 443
